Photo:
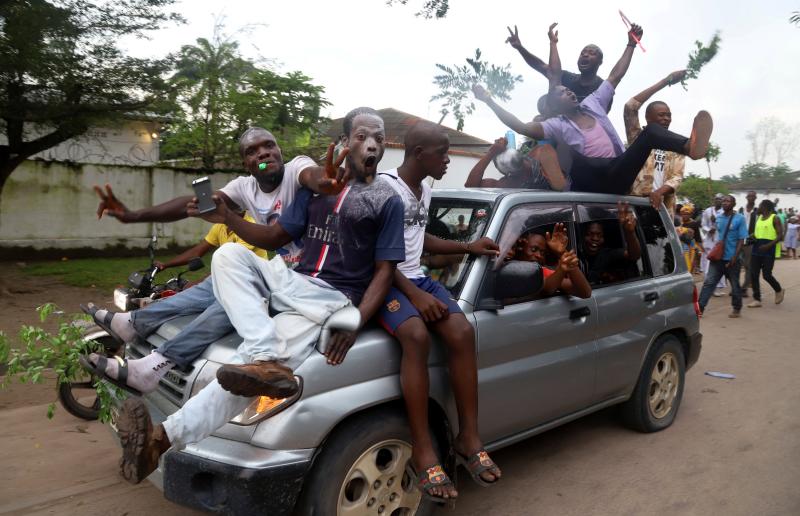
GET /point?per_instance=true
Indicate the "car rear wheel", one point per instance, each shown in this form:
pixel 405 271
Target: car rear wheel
pixel 659 390
pixel 361 471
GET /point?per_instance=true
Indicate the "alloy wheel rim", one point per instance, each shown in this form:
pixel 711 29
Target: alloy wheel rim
pixel 664 382
pixel 377 483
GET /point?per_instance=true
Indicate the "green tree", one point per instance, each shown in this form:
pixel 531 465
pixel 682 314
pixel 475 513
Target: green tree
pixel 696 189
pixel 61 70
pixel 430 9
pixel 222 93
pixel 456 82
pixel 758 170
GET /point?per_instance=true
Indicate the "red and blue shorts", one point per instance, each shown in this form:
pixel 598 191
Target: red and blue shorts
pixel 397 308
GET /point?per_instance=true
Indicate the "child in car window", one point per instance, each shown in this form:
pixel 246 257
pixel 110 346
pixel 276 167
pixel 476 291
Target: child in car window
pixel 566 276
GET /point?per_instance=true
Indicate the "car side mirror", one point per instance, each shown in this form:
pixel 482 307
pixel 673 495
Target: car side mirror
pixel 518 279
pixel 195 264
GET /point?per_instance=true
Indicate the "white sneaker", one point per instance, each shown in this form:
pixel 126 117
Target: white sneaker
pixel 754 304
pixel 718 293
pixel 779 296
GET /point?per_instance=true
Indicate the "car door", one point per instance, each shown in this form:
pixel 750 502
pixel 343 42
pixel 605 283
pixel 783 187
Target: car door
pixel 535 357
pixel 629 299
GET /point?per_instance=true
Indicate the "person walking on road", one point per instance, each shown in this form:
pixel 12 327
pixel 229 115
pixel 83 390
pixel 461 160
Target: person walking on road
pixel 710 237
pixel 750 215
pixel 732 230
pixel 768 232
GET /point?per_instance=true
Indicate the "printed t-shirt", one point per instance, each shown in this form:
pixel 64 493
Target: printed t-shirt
pixel 566 133
pixel 220 234
pixel 266 207
pixel 344 235
pixel 415 219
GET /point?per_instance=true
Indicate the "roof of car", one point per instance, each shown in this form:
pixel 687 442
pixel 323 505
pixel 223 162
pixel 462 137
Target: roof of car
pixel 493 194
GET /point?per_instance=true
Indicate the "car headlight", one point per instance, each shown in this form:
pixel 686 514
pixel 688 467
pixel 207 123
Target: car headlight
pixel 262 407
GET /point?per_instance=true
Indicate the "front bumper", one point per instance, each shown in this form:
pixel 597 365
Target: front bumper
pixel 695 345
pixel 265 482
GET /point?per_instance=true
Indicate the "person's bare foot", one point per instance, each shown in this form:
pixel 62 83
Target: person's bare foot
pixel 550 167
pixel 261 378
pixel 697 146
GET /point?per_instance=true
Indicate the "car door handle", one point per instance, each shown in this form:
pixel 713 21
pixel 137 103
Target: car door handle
pixel 580 312
pixel 649 297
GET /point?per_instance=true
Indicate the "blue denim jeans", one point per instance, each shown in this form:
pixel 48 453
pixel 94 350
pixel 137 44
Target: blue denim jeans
pixel 716 270
pixel 211 324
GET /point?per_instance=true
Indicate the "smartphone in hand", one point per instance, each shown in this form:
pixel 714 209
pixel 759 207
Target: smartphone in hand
pixel 202 190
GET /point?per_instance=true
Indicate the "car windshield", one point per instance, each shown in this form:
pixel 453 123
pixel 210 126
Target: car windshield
pixel 454 219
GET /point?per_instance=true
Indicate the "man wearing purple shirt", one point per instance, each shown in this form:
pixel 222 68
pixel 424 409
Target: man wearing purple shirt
pixel 588 144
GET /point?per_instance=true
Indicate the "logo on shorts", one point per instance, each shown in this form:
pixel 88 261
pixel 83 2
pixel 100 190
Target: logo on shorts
pixel 393 305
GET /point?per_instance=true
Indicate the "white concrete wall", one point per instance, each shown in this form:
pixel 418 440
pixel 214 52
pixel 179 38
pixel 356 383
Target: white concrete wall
pixel 457 171
pixel 51 205
pixel 130 143
pixel 790 199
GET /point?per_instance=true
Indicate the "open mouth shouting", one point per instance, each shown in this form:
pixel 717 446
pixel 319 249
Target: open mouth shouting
pixel 371 164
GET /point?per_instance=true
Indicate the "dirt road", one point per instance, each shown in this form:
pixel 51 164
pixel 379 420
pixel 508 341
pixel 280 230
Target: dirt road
pixel 734 448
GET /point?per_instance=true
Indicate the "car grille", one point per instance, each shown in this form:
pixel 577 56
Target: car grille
pixel 175 385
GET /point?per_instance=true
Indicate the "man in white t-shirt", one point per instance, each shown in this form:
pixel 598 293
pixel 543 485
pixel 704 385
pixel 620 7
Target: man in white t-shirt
pixel 417 303
pixel 270 187
pixel 708 230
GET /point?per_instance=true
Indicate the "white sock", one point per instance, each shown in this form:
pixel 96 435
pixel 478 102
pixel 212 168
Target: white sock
pixel 121 324
pixel 143 374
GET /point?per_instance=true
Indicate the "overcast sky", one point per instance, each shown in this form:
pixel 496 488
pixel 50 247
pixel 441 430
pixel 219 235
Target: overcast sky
pixel 366 53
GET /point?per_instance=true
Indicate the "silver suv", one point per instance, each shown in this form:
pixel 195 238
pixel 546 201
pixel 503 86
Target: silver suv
pixel 341 445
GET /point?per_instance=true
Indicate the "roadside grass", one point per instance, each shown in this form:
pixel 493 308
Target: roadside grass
pixel 105 273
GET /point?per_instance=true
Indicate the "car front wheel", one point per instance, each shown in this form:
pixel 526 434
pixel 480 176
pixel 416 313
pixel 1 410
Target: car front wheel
pixel 659 390
pixel 361 471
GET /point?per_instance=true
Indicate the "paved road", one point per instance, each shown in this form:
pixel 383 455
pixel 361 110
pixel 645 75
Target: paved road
pixel 734 448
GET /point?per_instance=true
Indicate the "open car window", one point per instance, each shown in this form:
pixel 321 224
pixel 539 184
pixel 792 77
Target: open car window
pixel 523 239
pixel 460 220
pixel 602 247
pixel 656 240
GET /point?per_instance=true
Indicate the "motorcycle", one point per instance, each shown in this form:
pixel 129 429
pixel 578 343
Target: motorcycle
pixel 78 397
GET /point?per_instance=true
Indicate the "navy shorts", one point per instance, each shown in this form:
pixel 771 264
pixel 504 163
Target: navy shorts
pixel 397 308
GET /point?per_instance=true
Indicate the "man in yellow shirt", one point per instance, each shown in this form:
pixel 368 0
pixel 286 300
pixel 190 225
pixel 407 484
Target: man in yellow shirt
pixel 218 234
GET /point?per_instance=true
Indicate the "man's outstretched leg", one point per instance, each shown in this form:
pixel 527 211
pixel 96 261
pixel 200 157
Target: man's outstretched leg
pixel 143 444
pixel 459 337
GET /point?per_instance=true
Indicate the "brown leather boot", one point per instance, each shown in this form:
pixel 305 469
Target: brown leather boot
pixel 142 444
pixel 261 378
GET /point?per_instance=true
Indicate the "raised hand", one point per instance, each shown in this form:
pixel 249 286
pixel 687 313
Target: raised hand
pixel 335 177
pixel 635 30
pixel 481 93
pixel 498 146
pixel 626 218
pixel 558 241
pixel 553 35
pixel 676 77
pixel 513 38
pixel 110 205
pixel 568 261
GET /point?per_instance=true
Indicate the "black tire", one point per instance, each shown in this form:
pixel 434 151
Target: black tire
pixel 659 390
pixel 88 410
pixel 343 450
pixel 69 393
